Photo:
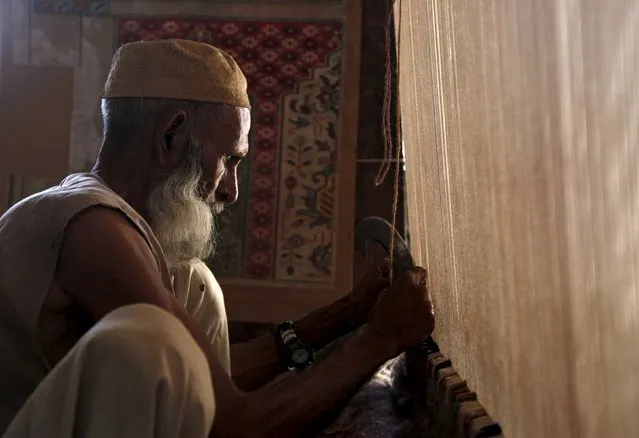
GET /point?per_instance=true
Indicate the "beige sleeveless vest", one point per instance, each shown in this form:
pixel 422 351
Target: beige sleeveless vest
pixel 34 316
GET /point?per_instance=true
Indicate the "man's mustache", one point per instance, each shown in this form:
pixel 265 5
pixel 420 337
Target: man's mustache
pixel 217 207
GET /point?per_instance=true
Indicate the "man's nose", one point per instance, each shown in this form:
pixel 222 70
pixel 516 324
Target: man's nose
pixel 228 190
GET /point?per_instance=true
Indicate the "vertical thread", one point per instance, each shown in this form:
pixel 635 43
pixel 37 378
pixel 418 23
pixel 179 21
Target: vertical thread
pixel 387 132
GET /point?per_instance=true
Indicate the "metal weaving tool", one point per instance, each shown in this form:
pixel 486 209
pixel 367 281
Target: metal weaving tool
pixel 378 230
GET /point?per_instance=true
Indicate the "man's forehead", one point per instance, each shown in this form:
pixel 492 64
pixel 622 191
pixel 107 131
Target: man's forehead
pixel 230 129
pixel 236 119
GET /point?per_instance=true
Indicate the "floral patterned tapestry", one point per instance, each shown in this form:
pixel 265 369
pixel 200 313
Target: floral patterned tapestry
pixel 283 226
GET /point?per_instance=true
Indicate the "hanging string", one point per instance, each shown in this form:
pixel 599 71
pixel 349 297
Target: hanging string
pixel 398 135
pixel 387 136
pixel 387 132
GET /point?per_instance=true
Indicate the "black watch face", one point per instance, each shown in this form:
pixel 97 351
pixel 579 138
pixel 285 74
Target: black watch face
pixel 300 356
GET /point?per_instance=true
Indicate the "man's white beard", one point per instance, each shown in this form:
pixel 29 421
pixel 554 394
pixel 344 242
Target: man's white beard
pixel 181 221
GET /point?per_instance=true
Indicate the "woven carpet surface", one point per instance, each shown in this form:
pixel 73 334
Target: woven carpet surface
pixel 520 127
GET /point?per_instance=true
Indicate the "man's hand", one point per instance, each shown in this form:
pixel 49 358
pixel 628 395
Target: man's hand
pixel 404 315
pixel 364 296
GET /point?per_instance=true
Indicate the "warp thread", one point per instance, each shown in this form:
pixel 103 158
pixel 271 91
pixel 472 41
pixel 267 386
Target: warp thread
pixel 387 132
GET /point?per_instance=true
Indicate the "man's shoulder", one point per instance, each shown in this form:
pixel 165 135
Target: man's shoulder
pixel 74 192
pixel 202 272
pixel 50 211
pixel 195 285
pixel 196 273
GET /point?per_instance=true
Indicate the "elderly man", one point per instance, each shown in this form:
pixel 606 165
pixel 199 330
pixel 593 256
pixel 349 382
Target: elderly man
pixel 97 334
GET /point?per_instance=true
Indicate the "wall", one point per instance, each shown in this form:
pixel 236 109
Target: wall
pixel 520 122
pixel 35 110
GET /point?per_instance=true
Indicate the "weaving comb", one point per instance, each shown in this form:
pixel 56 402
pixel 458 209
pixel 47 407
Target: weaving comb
pixel 378 230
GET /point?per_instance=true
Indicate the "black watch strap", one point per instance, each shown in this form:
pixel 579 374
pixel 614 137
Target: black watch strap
pixel 294 352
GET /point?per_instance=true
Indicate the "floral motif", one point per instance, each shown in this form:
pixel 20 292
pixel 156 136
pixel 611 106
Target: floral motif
pixel 229 28
pixel 261 207
pixel 270 30
pixel 170 27
pixel 310 31
pixel 290 43
pixel 261 233
pixel 250 68
pixel 294 241
pixel 289 69
pixel 250 42
pixel 267 107
pixel 312 208
pixel 309 177
pixel 322 258
pixel 309 57
pixel 263 182
pixel 268 81
pixel 269 56
pixel 131 26
pixel 264 157
pixel 291 182
pixel 259 258
pixel 291 254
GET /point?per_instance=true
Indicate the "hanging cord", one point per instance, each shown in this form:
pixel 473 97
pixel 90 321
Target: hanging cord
pixel 382 173
pixel 387 131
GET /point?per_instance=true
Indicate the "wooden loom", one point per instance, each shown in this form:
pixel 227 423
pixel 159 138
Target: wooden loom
pixel 418 394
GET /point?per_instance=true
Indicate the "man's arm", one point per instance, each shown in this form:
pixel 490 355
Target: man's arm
pixel 105 264
pixel 256 362
pixel 402 317
pixel 298 404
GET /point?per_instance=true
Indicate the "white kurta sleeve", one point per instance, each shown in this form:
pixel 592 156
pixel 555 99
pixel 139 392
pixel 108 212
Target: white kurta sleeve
pixel 201 295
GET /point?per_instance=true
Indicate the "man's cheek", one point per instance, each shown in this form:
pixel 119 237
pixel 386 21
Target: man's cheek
pixel 206 187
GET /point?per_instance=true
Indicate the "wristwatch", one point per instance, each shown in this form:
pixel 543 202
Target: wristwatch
pixel 296 354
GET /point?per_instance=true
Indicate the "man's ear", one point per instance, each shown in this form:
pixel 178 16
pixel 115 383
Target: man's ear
pixel 171 138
